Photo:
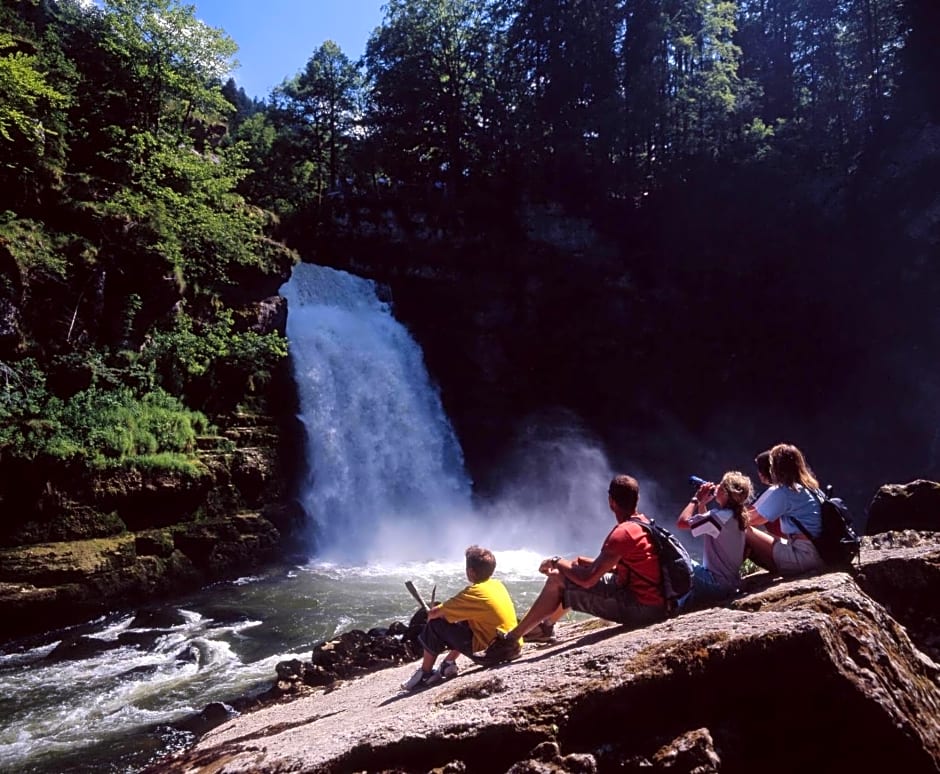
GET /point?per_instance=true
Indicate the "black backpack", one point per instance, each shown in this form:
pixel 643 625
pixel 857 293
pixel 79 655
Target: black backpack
pixel 838 542
pixel 675 564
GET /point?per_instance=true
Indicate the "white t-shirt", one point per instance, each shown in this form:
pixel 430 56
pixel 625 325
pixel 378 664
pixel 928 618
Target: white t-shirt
pixel 722 544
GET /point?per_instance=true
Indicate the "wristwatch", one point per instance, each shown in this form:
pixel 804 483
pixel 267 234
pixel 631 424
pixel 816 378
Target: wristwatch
pixel 694 501
pixel 555 561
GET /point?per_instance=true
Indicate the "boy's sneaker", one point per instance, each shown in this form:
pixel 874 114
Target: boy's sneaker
pixel 502 649
pixel 419 678
pixel 446 672
pixel 543 632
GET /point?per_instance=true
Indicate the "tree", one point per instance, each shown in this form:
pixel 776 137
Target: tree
pixel 175 61
pixel 25 94
pixel 429 71
pixel 325 97
pixel 563 58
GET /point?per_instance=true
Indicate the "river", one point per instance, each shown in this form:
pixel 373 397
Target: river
pixel 387 500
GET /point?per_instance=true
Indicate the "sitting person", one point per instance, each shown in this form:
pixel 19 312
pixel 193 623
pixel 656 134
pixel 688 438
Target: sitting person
pixel 791 502
pixel 762 462
pixel 465 623
pixel 722 531
pixel 621 584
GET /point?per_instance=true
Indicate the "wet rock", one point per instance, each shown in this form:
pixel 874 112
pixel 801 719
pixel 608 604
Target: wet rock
pixel 158 618
pixel 290 670
pixel 265 316
pixel 212 715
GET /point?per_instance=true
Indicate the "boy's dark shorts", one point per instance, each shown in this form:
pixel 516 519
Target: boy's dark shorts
pixel 605 599
pixel 438 635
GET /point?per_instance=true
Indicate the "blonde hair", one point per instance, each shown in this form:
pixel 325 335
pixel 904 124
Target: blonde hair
pixel 740 490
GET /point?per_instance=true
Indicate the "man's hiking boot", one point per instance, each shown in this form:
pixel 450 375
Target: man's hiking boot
pixel 417 680
pixel 447 670
pixel 502 649
pixel 543 632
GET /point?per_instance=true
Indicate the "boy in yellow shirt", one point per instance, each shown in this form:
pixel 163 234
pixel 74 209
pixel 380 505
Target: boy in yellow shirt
pixel 466 623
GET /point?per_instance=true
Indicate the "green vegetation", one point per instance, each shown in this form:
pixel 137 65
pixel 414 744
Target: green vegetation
pixel 123 237
pixel 145 202
pixel 99 427
pixel 213 365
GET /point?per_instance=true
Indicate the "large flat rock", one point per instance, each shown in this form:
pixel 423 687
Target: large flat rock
pixel 811 674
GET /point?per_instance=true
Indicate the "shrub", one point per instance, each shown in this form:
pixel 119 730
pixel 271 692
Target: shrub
pixel 210 363
pixel 101 426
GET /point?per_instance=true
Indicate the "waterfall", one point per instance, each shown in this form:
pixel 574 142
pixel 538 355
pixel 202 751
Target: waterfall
pixel 384 464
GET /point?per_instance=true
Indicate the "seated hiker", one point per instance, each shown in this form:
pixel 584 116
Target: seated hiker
pixel 792 505
pixel 762 462
pixel 465 623
pixel 722 532
pixel 621 584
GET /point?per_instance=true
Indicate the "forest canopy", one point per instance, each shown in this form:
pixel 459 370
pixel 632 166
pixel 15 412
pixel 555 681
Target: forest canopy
pixel 140 187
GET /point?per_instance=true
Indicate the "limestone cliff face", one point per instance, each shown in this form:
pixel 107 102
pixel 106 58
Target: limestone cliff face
pixel 812 674
pixel 125 537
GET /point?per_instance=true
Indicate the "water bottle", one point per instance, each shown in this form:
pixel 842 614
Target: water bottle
pixel 696 481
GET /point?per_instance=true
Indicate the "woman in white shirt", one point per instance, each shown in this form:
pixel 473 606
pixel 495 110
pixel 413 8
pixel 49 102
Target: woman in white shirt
pixel 722 532
pixel 792 503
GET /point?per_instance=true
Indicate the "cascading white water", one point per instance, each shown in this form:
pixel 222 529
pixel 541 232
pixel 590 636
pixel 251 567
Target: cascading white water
pixel 390 501
pixel 384 462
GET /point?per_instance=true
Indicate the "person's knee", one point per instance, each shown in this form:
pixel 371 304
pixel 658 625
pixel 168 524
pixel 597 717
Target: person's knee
pixel 555 587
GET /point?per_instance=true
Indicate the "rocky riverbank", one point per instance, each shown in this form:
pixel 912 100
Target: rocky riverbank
pixel 832 672
pixel 128 537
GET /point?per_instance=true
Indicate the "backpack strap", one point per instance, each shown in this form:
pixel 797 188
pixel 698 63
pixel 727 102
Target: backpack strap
pixel 654 539
pixel 803 530
pixel 819 497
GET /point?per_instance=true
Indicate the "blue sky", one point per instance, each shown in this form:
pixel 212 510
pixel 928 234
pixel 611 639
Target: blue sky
pixel 276 37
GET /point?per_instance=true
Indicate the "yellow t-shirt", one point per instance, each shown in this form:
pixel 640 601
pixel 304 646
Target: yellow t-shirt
pixel 486 606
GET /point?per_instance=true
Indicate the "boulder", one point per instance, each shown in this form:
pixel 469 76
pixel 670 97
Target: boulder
pixel 807 674
pixel 915 505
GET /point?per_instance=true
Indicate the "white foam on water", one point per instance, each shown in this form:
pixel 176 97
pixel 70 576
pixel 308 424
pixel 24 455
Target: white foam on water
pixel 112 632
pixel 246 580
pixel 63 705
pixel 28 656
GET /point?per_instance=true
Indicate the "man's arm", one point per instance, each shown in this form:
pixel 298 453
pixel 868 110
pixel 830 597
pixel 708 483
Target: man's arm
pixel 586 575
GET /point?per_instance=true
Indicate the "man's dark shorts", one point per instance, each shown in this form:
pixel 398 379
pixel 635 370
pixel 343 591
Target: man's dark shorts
pixel 605 599
pixel 438 636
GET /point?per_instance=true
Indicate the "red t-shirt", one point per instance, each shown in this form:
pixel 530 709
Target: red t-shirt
pixel 638 568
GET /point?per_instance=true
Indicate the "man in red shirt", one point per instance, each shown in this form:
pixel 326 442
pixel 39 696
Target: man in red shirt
pixel 621 584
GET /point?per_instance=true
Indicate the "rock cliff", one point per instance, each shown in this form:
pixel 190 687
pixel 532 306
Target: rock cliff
pixel 124 537
pixel 814 674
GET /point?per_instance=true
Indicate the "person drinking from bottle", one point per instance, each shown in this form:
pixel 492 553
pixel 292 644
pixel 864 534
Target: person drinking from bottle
pixel 722 531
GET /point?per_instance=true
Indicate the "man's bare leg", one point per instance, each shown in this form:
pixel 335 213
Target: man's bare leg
pixel 546 606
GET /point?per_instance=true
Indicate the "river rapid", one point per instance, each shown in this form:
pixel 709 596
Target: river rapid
pixel 104 696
